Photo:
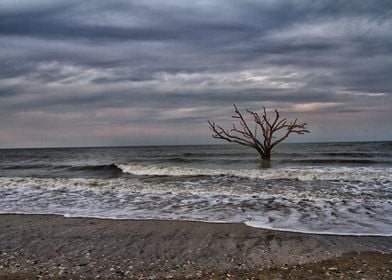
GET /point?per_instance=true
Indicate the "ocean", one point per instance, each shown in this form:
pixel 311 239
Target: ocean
pixel 324 188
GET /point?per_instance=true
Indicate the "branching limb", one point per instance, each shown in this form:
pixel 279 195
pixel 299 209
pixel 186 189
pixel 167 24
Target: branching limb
pixel 293 127
pixel 221 133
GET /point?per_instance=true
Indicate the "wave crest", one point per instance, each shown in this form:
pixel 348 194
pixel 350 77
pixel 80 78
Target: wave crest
pixel 303 174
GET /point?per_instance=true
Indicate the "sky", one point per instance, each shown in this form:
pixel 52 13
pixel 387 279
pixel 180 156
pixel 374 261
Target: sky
pixel 103 73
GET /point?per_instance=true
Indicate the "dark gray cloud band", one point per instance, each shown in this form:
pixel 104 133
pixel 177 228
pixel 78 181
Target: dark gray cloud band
pixel 184 61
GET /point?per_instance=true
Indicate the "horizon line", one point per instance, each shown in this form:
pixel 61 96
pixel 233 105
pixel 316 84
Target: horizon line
pixel 183 145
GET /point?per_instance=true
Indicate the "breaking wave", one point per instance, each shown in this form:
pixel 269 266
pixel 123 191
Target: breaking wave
pixel 303 174
pixel 319 207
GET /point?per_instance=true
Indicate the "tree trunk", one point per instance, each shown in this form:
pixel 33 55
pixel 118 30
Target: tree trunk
pixel 267 155
pixel 266 159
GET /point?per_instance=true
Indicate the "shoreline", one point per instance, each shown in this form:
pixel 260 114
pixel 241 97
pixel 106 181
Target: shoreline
pixel 57 246
pixel 208 222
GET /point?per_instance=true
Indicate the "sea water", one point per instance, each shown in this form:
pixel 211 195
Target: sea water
pixel 326 188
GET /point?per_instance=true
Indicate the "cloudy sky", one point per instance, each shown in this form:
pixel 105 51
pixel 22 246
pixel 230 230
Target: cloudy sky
pixel 88 73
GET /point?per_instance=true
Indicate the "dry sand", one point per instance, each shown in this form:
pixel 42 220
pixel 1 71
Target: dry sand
pixel 48 246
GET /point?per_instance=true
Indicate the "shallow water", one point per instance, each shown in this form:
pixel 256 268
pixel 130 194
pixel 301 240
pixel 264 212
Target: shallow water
pixel 340 188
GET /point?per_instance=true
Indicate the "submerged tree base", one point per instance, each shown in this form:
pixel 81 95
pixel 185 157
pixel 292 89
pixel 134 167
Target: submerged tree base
pixel 265 163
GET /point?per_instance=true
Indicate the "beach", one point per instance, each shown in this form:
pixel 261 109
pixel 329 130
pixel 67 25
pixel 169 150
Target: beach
pixel 50 246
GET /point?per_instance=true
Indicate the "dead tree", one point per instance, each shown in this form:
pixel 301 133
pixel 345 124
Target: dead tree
pixel 270 128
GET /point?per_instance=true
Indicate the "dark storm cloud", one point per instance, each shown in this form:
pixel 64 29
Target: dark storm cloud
pixel 176 59
pixel 75 20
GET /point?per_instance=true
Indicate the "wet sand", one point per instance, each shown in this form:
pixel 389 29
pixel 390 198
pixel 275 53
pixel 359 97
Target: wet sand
pixel 55 247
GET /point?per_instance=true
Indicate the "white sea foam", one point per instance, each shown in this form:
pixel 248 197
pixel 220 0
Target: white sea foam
pixel 302 174
pixel 348 201
pixel 324 190
pixel 281 213
pixel 342 233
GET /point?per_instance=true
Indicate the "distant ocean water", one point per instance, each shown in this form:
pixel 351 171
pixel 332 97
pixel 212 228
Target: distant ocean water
pixel 338 188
